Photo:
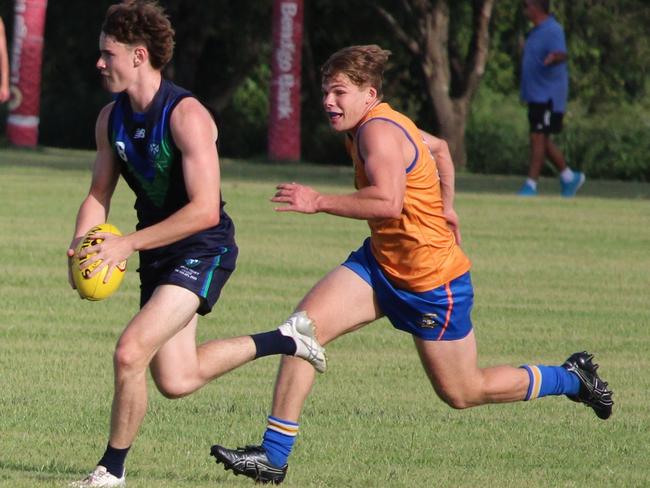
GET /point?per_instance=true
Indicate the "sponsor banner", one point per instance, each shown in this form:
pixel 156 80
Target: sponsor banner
pixel 25 80
pixel 284 114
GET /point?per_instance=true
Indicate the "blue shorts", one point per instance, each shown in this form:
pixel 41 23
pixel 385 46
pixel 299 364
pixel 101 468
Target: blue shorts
pixel 205 276
pixel 442 314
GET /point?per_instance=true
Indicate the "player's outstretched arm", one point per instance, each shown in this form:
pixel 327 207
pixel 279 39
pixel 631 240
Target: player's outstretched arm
pixel 381 147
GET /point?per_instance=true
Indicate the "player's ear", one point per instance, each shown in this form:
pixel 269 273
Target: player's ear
pixel 140 55
pixel 371 95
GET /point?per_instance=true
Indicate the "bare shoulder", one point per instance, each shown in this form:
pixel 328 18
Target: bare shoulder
pixel 190 118
pixel 104 113
pixel 189 109
pixel 436 145
pixel 382 135
pixel 101 126
pixel 380 129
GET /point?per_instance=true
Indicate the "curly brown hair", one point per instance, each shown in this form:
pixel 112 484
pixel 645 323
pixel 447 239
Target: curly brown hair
pixel 142 22
pixel 364 65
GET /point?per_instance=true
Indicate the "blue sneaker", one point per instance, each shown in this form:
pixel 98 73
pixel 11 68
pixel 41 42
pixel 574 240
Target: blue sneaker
pixel 571 188
pixel 527 191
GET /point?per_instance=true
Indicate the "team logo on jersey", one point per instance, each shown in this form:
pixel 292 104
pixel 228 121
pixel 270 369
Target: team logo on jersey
pixel 154 149
pixel 120 147
pixel 428 321
pixel 139 134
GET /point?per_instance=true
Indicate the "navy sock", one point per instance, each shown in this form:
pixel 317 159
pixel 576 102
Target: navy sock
pixel 278 440
pixel 550 380
pixel 113 460
pixel 269 343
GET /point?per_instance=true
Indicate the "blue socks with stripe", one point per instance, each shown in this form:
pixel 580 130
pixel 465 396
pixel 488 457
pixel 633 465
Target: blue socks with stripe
pixel 550 380
pixel 278 440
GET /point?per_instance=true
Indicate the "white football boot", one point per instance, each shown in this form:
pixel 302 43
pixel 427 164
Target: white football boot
pixel 99 478
pixel 301 329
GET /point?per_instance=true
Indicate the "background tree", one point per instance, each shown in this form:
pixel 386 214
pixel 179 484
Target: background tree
pixel 222 55
pixel 452 59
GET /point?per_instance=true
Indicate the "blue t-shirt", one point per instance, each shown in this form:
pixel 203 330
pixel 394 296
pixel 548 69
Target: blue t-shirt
pixel 540 83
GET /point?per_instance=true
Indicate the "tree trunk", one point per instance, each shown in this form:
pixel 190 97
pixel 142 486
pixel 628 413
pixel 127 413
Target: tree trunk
pixel 451 128
pixel 451 81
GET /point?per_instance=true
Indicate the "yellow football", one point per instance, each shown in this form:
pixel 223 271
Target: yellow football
pixel 94 288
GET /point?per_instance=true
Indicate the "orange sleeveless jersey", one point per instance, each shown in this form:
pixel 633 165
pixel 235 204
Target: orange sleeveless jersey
pixel 417 251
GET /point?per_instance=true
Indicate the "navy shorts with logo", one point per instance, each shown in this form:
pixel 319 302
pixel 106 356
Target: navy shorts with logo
pixel 441 314
pixel 204 276
pixel 543 120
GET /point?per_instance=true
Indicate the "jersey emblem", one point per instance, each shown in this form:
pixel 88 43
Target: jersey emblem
pixel 154 149
pixel 120 147
pixel 139 134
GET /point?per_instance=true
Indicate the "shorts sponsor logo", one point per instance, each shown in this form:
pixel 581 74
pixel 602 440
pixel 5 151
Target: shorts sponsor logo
pixel 187 271
pixel 428 321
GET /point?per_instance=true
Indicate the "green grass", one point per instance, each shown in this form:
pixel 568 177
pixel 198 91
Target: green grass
pixel 551 276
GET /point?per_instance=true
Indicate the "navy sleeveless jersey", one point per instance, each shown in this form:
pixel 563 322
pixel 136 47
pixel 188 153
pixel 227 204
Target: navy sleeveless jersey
pixel 151 164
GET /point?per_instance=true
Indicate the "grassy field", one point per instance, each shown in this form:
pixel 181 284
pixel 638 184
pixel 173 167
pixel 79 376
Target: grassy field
pixel 551 276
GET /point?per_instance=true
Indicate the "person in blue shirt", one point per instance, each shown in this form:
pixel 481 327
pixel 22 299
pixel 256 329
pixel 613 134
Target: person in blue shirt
pixel 545 87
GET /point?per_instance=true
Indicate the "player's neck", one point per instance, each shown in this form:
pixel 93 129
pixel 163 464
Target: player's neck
pixel 365 114
pixel 143 91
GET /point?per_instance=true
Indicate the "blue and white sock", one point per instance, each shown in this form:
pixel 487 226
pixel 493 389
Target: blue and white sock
pixel 279 439
pixel 550 380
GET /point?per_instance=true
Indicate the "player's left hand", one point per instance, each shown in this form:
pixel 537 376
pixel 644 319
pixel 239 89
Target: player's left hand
pixel 112 251
pixel 298 198
pixel 453 223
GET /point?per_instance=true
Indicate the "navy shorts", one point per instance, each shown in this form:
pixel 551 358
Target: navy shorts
pixel 441 314
pixel 543 120
pixel 205 276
